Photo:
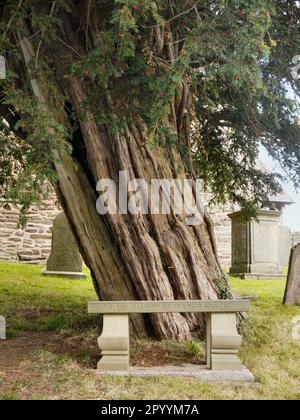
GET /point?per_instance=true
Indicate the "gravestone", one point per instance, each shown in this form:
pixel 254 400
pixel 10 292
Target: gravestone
pixel 292 291
pixel 255 245
pixel 296 238
pixel 285 245
pixel 65 259
pixel 2 328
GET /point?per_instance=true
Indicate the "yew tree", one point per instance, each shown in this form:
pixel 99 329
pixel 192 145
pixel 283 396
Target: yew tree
pixel 160 89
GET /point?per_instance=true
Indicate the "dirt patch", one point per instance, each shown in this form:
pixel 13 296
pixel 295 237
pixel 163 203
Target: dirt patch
pixel 152 353
pixel 17 350
pixel 14 351
pixel 85 351
pixel 81 349
pixel 33 315
pixel 17 357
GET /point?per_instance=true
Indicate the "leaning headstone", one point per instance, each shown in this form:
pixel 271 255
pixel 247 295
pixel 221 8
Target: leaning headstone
pixel 65 259
pixel 292 291
pixel 2 328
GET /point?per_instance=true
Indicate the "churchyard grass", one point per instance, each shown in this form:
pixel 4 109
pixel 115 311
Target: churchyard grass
pixel 32 302
pixel 49 315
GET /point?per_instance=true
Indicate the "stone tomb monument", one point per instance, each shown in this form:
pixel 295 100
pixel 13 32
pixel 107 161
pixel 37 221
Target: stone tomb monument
pixel 65 259
pixel 292 291
pixel 255 245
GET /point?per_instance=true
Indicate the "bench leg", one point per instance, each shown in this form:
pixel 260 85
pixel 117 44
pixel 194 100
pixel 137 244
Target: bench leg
pixel 114 344
pixel 223 342
pixel 208 340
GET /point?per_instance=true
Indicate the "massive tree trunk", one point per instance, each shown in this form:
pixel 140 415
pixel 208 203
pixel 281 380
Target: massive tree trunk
pixel 147 257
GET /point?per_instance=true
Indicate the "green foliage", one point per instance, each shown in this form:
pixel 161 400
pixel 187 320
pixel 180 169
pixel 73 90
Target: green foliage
pixel 235 106
pixel 55 323
pixel 235 57
pixel 224 290
pixel 195 348
pixel 9 397
pixel 27 167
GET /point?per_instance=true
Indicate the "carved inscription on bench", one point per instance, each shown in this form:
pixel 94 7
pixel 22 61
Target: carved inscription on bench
pixel 124 307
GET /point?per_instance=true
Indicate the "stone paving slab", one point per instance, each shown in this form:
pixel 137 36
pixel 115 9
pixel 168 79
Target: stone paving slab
pixel 190 371
pixel 66 274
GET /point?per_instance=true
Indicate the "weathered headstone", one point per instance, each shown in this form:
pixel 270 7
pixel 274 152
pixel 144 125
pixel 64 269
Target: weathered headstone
pixel 2 328
pixel 292 291
pixel 65 259
pixel 285 246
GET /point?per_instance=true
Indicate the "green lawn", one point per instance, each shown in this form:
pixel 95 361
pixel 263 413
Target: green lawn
pixel 53 312
pixel 32 302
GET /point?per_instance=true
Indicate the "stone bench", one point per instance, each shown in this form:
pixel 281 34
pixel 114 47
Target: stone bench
pixel 222 339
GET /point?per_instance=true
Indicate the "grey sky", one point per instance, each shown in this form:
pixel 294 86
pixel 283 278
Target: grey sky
pixel 291 214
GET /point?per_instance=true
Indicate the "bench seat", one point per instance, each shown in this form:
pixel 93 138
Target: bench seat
pixel 222 339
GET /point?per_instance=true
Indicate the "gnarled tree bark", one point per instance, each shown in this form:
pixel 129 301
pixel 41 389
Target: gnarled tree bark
pixel 147 257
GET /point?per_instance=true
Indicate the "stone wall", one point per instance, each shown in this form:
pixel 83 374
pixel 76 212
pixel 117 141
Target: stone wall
pixel 223 231
pixel 34 243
